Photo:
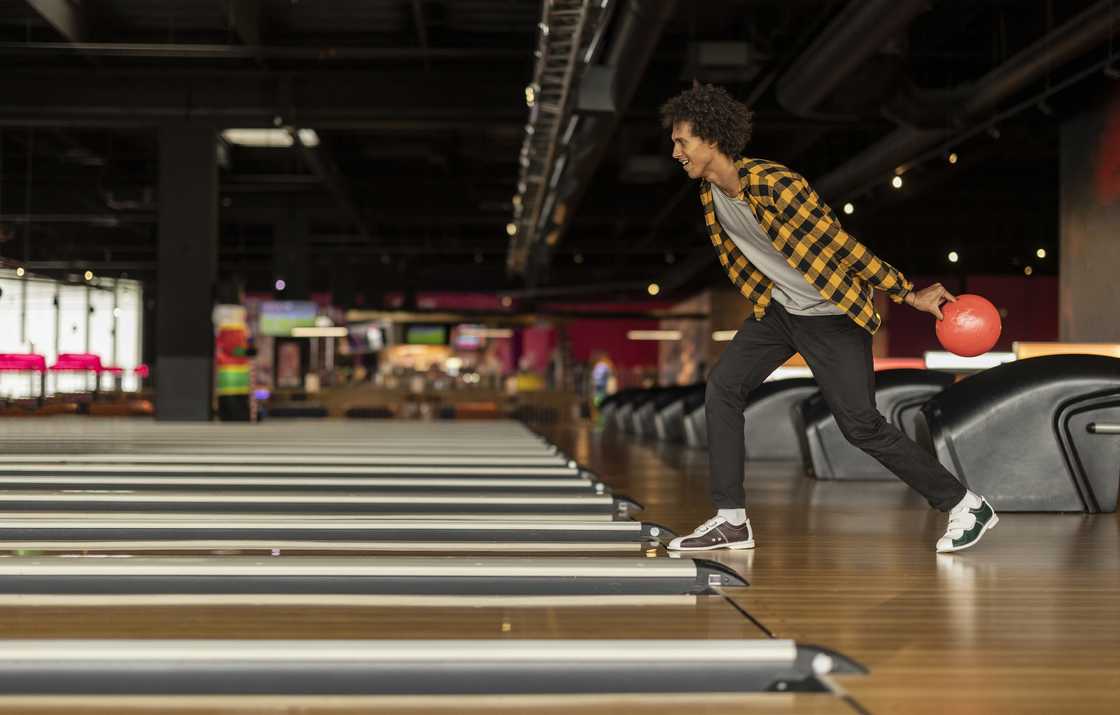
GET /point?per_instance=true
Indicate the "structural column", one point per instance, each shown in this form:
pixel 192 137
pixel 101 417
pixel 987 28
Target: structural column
pixel 188 267
pixel 1090 221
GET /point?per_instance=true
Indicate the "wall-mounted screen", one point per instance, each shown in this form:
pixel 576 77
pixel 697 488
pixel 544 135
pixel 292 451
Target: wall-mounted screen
pixel 279 317
pixel 425 334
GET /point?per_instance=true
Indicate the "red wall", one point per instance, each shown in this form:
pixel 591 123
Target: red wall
pixel 589 336
pixel 537 344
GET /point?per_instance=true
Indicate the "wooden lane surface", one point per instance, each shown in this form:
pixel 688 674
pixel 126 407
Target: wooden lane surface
pixel 659 704
pixel 683 617
pixel 1025 622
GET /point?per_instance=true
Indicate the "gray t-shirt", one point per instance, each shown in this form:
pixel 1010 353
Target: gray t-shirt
pixel 796 294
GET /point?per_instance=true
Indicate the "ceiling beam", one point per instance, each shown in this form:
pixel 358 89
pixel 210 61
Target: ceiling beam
pixel 252 98
pixel 193 51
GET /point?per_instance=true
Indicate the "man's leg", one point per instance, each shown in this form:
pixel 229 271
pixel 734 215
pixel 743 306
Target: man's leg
pixel 760 347
pixel 839 353
pixel 757 349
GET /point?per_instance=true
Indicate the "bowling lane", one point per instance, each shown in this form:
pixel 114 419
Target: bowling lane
pixel 268 616
pixel 169 533
pixel 302 502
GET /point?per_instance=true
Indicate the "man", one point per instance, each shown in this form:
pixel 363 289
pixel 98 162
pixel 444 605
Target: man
pixel 810 285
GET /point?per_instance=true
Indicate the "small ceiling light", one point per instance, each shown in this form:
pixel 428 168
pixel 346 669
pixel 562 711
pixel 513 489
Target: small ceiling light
pixel 953 257
pixel 1028 270
pixel 308 137
pixel 280 284
pixel 20 271
pixel 511 229
pixel 670 257
pixel 578 258
pixel 517 200
pixel 278 138
pixel 88 275
pixel 653 289
pixel 478 258
pixel 1041 253
pixel 896 182
pixel 849 208
pixel 530 94
pixel 506 301
pixel 267 138
pixel 953 157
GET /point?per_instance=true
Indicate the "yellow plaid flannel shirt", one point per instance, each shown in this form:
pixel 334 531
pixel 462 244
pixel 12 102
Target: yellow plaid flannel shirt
pixel 805 231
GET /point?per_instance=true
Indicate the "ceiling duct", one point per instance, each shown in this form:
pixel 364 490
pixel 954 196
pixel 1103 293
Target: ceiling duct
pixel 859 31
pixel 958 106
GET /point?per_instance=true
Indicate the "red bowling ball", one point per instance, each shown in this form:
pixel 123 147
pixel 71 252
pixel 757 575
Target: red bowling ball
pixel 971 326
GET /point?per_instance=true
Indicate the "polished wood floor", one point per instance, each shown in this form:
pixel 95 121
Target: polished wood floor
pixel 1028 621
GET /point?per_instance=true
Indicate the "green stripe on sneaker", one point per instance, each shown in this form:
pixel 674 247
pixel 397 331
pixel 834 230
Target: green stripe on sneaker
pixel 983 514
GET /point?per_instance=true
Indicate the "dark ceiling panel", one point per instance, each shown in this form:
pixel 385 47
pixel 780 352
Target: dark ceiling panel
pixel 424 125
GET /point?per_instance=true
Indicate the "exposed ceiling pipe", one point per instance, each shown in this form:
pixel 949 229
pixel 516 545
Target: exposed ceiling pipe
pixel 858 32
pixel 1065 43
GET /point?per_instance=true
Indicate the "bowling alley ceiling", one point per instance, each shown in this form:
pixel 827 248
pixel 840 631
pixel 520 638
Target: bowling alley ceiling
pixel 419 115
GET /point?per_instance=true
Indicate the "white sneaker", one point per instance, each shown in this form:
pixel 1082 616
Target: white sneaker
pixel 968 520
pixel 715 533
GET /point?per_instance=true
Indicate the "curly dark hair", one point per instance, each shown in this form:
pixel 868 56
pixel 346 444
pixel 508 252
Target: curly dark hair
pixel 714 114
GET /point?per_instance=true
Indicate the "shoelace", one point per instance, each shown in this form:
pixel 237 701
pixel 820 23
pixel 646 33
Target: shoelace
pixel 710 524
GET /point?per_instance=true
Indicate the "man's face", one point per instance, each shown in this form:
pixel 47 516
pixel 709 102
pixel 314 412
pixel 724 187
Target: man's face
pixel 693 153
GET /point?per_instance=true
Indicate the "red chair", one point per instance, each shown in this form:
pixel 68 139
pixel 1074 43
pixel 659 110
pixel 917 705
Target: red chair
pixel 25 362
pixel 78 362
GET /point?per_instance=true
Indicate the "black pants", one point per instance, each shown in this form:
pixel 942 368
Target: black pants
pixel 839 353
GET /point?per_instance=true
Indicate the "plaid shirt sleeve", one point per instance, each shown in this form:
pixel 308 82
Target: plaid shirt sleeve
pixel 803 211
